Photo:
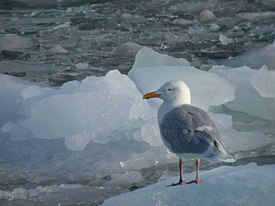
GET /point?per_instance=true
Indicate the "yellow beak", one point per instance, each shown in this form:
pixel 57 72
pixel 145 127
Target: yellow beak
pixel 151 95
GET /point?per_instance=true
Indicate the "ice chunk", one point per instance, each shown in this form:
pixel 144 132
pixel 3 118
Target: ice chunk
pixel 264 82
pixel 127 50
pixel 240 185
pixel 254 16
pixel 74 113
pixel 238 141
pixel 154 156
pixel 75 110
pixel 82 107
pixel 11 100
pixel 267 2
pixel 104 118
pixel 78 142
pixel 31 91
pixel 118 84
pixel 16 131
pixel 82 65
pixel 225 40
pixel 248 99
pixel 98 106
pixel 12 42
pixel 149 132
pixel 256 58
pixel 183 22
pixel 58 50
pixel 222 121
pixel 151 58
pixel 151 70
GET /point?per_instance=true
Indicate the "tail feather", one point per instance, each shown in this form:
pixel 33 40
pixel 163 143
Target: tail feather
pixel 223 155
pixel 219 154
pixel 221 158
pixel 228 158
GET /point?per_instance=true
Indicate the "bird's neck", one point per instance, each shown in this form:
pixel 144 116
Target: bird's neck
pixel 168 106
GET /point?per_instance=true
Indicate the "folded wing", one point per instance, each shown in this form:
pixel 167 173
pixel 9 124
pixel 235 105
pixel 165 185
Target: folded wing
pixel 188 129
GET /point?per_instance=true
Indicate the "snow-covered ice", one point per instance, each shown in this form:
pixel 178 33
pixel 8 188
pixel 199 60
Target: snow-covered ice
pixel 240 185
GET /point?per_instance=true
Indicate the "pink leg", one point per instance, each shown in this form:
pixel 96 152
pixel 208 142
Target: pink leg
pixel 197 180
pixel 181 182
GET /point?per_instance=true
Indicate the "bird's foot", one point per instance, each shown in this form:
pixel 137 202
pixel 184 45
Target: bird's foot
pixel 179 183
pixel 196 181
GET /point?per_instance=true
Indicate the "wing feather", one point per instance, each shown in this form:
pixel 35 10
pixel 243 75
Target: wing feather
pixel 188 129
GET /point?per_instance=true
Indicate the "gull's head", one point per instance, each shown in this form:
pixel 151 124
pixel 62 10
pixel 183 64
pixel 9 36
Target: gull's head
pixel 176 92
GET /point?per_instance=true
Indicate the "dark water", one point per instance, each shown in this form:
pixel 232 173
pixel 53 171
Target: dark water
pixel 89 34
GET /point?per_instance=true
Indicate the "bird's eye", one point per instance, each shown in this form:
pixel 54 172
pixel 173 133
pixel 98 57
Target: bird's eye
pixel 168 89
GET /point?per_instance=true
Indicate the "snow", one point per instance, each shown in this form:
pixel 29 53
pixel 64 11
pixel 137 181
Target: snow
pixel 240 185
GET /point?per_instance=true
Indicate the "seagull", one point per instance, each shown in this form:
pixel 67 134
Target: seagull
pixel 186 130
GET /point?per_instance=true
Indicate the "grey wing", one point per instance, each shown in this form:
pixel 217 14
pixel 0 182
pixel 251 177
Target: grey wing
pixel 188 129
